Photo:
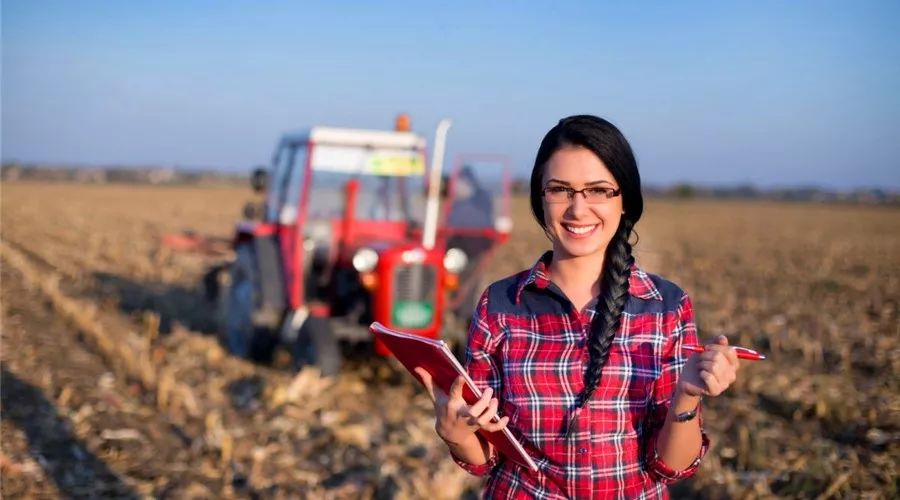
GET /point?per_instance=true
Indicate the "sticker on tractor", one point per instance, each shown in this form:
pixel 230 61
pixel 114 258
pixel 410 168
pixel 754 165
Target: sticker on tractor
pixel 395 165
pixel 355 160
pixel 412 314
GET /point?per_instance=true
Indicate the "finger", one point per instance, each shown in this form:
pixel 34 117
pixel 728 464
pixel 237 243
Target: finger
pixel 718 367
pixel 456 390
pixel 726 373
pixel 708 365
pixel 461 414
pixel 426 381
pixel 731 355
pixel 723 355
pixel 485 418
pixel 721 364
pixel 496 426
pixel 712 383
pixel 729 352
pixel 476 409
pixel 722 340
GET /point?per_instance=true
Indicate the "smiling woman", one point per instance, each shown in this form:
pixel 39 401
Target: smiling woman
pixel 584 350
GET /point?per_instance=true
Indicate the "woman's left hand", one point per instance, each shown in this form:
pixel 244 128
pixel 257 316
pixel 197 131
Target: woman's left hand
pixel 710 372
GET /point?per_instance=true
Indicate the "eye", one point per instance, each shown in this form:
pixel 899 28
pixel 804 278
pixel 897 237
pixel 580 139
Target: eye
pixel 598 192
pixel 557 189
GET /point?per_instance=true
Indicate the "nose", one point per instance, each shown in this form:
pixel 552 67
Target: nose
pixel 578 204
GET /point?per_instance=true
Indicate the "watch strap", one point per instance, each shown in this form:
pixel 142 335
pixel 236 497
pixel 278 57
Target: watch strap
pixel 687 416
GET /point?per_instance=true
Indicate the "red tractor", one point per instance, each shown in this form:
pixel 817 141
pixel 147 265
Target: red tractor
pixel 352 232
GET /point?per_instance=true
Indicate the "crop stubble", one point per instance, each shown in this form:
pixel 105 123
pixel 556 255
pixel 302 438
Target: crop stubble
pixel 814 286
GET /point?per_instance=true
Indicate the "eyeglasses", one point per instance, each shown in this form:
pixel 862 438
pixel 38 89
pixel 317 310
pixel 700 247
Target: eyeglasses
pixel 594 194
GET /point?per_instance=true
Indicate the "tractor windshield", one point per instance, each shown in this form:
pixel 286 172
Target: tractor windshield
pixel 379 197
pixel 388 182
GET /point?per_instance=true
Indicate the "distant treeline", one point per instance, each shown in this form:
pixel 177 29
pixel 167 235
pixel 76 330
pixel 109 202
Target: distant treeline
pixel 124 175
pixel 210 177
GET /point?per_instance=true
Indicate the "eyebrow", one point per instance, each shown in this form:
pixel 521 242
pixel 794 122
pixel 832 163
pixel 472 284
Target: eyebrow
pixel 591 183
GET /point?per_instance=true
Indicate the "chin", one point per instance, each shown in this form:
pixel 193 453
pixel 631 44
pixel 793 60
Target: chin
pixel 580 249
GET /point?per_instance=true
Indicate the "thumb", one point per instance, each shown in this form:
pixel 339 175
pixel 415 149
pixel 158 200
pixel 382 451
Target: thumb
pixel 722 340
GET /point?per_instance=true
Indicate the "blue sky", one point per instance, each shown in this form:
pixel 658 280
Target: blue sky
pixel 770 93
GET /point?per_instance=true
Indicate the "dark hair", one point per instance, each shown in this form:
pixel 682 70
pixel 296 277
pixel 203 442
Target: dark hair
pixel 608 143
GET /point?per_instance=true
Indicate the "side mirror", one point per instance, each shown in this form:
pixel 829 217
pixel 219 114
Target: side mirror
pixel 259 179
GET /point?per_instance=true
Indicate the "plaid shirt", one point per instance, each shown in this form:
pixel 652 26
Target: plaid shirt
pixel 529 344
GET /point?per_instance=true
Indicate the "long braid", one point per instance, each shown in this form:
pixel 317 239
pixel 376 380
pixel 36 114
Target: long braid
pixel 613 295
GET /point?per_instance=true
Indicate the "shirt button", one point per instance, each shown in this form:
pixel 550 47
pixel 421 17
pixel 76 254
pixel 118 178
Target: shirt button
pixel 582 451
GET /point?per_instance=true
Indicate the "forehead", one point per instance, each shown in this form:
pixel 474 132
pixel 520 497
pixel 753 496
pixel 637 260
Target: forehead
pixel 577 165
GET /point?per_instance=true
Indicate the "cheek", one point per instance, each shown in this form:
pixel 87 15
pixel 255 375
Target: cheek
pixel 611 215
pixel 615 218
pixel 549 215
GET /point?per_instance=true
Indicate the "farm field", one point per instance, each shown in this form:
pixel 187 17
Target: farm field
pixel 113 383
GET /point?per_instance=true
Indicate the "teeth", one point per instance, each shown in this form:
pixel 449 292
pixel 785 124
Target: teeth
pixel 580 230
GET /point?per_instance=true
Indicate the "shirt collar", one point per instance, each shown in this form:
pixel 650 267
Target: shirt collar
pixel 639 284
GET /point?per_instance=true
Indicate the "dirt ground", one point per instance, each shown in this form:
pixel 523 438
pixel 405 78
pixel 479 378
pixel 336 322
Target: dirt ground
pixel 113 384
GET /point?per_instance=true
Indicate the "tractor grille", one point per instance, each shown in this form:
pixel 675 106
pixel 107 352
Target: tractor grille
pixel 415 282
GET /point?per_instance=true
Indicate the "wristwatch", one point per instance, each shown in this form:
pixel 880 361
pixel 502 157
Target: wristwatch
pixel 687 416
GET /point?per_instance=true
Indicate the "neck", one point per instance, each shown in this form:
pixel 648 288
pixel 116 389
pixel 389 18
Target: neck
pixel 577 275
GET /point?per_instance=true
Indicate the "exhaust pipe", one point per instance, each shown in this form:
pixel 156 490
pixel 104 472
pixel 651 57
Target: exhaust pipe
pixel 429 231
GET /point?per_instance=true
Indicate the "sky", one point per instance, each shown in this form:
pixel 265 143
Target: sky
pixel 769 93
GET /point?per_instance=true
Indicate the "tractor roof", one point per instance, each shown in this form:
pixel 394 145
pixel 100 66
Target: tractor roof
pixel 357 138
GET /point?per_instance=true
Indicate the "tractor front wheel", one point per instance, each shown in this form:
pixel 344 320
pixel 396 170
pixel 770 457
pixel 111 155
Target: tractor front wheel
pixel 238 295
pixel 317 346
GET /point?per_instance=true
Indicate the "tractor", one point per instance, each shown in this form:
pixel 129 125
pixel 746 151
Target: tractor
pixel 356 227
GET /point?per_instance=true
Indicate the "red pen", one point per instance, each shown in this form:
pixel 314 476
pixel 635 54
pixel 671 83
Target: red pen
pixel 742 352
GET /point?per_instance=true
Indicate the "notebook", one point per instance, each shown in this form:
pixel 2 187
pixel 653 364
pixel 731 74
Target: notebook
pixel 436 358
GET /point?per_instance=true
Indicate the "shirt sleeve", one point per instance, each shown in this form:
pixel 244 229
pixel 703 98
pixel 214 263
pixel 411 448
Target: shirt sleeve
pixel 685 332
pixel 482 342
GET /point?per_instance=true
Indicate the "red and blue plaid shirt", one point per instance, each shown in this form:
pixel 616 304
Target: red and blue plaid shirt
pixel 529 344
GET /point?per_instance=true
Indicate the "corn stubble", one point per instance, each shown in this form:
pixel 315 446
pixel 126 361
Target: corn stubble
pixel 170 413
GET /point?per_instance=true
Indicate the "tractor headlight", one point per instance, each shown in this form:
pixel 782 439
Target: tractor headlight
pixel 365 260
pixel 455 260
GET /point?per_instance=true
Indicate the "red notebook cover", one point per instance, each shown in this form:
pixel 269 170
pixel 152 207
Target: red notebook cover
pixel 435 357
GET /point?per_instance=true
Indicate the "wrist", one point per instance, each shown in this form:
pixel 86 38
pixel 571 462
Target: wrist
pixel 470 449
pixel 457 439
pixel 683 401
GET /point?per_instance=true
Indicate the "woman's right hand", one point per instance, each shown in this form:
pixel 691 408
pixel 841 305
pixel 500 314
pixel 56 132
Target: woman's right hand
pixel 455 420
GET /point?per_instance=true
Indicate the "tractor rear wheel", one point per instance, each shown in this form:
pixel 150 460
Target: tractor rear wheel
pixel 317 346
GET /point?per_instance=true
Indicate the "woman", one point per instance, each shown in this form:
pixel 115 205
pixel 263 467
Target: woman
pixel 582 354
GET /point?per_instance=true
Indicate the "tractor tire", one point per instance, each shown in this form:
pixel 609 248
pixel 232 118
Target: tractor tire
pixel 469 303
pixel 317 346
pixel 238 299
pixel 462 319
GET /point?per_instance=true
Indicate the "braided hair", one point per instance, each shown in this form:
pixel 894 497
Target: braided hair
pixel 607 142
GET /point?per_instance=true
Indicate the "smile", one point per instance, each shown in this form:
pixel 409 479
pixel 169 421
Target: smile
pixel 579 230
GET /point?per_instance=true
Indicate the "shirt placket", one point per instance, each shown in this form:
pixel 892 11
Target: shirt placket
pixel 580 441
